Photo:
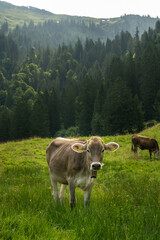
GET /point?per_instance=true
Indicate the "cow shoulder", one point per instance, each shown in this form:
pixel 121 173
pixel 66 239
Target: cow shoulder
pixel 54 146
pixel 60 149
pixel 135 139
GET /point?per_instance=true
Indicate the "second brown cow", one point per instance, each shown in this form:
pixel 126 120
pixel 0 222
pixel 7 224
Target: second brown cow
pixel 145 143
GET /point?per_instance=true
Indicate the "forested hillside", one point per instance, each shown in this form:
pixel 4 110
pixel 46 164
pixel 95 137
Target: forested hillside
pixel 42 28
pixel 92 88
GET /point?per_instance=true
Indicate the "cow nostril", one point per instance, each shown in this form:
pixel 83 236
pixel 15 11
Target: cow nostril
pixel 96 166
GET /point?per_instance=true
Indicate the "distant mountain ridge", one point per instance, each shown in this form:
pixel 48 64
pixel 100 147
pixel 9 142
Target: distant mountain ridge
pixel 67 29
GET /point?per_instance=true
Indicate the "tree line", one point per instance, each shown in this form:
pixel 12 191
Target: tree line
pixel 67 29
pixel 90 88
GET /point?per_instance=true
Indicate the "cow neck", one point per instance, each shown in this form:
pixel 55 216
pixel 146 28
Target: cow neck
pixel 93 174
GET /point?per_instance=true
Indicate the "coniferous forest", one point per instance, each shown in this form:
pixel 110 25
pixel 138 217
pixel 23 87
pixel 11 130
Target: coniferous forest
pixel 85 88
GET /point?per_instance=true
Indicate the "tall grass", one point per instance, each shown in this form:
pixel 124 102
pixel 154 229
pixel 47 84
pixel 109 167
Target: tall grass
pixel 124 203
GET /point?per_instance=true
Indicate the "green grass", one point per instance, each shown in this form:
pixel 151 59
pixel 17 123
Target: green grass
pixel 125 201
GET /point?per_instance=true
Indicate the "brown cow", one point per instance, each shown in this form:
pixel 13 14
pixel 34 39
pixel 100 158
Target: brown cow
pixel 75 163
pixel 145 143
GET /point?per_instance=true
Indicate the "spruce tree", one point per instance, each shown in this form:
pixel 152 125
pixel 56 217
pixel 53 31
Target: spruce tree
pixel 86 104
pixel 117 112
pixel 97 119
pixel 5 124
pixel 21 119
pixel 39 118
pixel 137 116
pixel 150 79
pixel 53 112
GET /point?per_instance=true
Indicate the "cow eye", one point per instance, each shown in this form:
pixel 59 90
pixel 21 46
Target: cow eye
pixel 88 150
pixel 102 150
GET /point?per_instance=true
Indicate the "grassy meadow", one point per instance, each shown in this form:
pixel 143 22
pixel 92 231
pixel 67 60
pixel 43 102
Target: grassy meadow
pixel 125 201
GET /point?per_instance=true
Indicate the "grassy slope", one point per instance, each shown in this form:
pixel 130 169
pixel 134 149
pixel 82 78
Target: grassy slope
pixel 124 204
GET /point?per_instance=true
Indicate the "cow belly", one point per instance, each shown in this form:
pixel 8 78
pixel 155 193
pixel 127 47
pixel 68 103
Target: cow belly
pixel 143 147
pixel 83 182
pixel 60 179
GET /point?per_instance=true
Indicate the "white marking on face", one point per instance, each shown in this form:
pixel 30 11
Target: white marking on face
pixel 93 163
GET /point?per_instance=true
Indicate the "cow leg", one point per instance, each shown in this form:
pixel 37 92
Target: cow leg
pixel 72 192
pixel 150 153
pixel 87 195
pixel 55 189
pixel 135 150
pixel 62 193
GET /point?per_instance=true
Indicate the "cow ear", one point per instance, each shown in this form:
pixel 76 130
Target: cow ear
pixel 79 147
pixel 112 146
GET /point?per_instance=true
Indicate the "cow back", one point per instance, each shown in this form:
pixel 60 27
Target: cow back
pixel 62 159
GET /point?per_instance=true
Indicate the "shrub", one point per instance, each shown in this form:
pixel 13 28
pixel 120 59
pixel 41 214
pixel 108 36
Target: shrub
pixel 70 132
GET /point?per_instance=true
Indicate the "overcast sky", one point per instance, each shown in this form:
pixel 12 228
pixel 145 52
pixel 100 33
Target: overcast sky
pixel 95 8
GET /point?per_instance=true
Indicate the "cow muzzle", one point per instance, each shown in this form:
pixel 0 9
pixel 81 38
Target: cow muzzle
pixel 96 166
pixel 156 154
pixel 93 174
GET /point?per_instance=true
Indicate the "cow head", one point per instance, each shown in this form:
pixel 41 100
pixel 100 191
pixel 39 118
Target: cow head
pixel 95 148
pixel 156 154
